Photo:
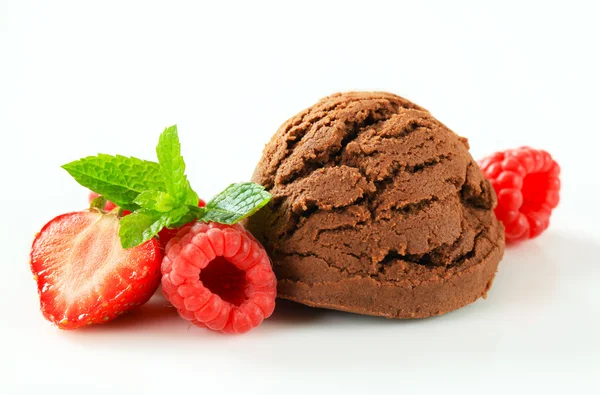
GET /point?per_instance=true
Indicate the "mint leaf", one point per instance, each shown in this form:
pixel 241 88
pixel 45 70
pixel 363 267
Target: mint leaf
pixel 119 179
pixel 177 214
pixel 186 219
pixel 156 201
pixel 172 167
pixel 235 203
pixel 191 197
pixel 197 211
pixel 192 213
pixel 159 194
pixel 141 226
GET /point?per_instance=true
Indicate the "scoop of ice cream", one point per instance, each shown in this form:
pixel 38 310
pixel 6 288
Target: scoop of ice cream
pixel 378 208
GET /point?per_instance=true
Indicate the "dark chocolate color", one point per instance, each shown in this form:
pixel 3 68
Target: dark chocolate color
pixel 378 208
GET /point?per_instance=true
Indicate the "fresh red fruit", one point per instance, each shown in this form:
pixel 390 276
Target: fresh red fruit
pixel 83 274
pixel 219 277
pixel 167 234
pixel 527 184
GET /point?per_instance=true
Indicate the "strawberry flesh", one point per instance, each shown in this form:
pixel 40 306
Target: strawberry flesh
pixel 83 274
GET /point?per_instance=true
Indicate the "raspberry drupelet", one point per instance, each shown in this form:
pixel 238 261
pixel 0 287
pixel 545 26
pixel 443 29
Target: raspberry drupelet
pixel 219 277
pixel 527 184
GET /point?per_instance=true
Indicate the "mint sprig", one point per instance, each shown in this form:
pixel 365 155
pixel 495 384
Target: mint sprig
pixel 140 226
pixel 156 201
pixel 172 167
pixel 159 194
pixel 235 203
pixel 119 179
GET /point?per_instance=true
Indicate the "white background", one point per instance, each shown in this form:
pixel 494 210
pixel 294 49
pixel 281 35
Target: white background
pixel 82 77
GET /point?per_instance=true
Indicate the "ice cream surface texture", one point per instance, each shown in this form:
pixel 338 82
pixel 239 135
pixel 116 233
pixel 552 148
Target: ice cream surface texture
pixel 378 208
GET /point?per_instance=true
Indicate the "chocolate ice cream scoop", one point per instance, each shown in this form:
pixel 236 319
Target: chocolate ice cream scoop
pixel 378 208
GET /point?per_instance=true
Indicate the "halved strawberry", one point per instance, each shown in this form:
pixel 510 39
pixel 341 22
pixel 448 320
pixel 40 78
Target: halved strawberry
pixel 83 274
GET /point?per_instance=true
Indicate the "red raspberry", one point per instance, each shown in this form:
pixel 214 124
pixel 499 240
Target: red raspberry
pixel 527 185
pixel 167 234
pixel 219 277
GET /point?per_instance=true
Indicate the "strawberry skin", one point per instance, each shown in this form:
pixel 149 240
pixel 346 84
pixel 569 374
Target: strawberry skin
pixel 83 274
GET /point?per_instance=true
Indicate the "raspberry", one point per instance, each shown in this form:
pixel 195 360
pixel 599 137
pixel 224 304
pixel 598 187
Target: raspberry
pixel 527 185
pixel 219 277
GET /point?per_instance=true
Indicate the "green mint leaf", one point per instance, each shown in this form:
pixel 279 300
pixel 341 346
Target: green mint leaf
pixel 192 214
pixel 141 226
pixel 197 211
pixel 191 197
pixel 186 219
pixel 235 203
pixel 119 179
pixel 156 201
pixel 176 215
pixel 172 167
